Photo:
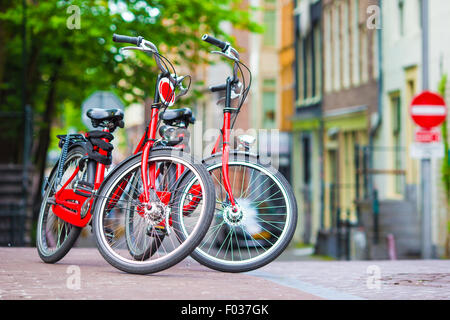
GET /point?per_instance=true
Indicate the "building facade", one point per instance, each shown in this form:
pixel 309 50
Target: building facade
pixel 306 118
pixel 403 78
pixel 350 98
pixel 357 64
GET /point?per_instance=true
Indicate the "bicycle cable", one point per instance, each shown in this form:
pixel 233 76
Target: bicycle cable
pixel 245 90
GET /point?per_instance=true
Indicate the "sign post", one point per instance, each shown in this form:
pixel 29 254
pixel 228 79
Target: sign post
pixel 428 110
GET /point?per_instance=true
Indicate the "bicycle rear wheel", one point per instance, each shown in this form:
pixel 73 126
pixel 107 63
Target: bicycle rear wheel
pixel 264 224
pixel 149 243
pixel 56 237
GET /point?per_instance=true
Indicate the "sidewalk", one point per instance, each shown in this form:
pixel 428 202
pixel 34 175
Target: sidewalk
pixel 24 276
pixel 83 274
pixel 374 280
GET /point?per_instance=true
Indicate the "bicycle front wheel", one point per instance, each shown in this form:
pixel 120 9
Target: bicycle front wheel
pixel 264 223
pixel 141 237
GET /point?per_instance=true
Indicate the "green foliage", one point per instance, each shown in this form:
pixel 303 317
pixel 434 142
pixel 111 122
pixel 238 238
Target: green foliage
pixel 445 138
pixel 66 65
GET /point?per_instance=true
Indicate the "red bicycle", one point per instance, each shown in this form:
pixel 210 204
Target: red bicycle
pixel 136 211
pixel 256 211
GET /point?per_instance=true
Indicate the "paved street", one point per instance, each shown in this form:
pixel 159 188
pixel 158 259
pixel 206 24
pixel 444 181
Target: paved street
pixel 24 276
pixel 356 280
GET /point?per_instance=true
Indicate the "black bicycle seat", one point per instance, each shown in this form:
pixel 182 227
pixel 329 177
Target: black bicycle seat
pixel 105 114
pixel 174 115
pixel 108 118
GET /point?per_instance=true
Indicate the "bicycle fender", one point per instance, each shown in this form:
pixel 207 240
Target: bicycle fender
pixel 55 167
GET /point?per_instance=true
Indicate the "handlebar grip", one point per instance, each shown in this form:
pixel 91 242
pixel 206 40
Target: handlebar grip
pixel 127 39
pixel 214 41
pixel 220 87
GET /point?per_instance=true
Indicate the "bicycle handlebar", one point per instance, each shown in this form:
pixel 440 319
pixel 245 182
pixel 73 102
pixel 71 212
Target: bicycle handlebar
pixel 126 39
pixel 229 52
pixel 217 88
pixel 146 46
pixel 216 42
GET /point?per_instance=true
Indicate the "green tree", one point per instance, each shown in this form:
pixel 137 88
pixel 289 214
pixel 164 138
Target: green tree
pixel 445 138
pixel 446 162
pixel 70 53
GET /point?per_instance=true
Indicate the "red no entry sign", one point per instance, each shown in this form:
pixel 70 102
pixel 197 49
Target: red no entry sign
pixel 427 136
pixel 428 110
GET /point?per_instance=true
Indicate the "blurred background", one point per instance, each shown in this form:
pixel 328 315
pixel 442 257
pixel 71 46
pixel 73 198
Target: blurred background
pixel 332 80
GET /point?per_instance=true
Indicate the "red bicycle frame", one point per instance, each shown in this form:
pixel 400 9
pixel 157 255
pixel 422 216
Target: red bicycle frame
pixel 226 133
pixel 68 204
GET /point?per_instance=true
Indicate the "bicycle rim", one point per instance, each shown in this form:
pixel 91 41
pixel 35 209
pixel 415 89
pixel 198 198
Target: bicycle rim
pixel 262 230
pixel 55 237
pixel 115 246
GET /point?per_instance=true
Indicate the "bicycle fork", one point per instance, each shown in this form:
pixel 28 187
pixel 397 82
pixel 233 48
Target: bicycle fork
pixel 226 132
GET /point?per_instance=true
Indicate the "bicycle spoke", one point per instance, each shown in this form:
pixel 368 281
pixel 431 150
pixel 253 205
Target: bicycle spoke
pixel 142 232
pixel 258 196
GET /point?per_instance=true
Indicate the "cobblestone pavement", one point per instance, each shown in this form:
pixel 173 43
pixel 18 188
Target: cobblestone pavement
pixel 24 276
pixel 376 280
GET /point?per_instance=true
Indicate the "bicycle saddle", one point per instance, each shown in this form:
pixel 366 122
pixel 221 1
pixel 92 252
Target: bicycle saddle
pixel 174 115
pixel 110 118
pixel 105 115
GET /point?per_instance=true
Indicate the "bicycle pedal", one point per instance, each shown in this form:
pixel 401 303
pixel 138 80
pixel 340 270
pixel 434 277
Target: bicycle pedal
pixel 84 189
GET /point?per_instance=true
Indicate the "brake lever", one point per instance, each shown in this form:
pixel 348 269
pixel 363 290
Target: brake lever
pixel 237 88
pixel 130 48
pixel 226 55
pixel 138 48
pixel 183 90
pixel 234 96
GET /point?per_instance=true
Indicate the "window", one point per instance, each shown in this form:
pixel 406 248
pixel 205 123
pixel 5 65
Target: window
pixel 346 45
pixel 270 26
pixel 328 51
pixel 317 52
pixel 401 17
pixel 355 42
pixel 269 100
pixel 396 115
pixel 364 61
pixel 307 160
pixel 375 57
pixel 309 67
pixel 420 13
pixel 309 64
pixel 336 48
pixel 396 124
pixel 301 71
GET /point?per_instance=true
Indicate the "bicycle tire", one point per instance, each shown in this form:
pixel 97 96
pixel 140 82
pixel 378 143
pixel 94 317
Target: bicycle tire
pixel 207 259
pixel 73 234
pixel 186 247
